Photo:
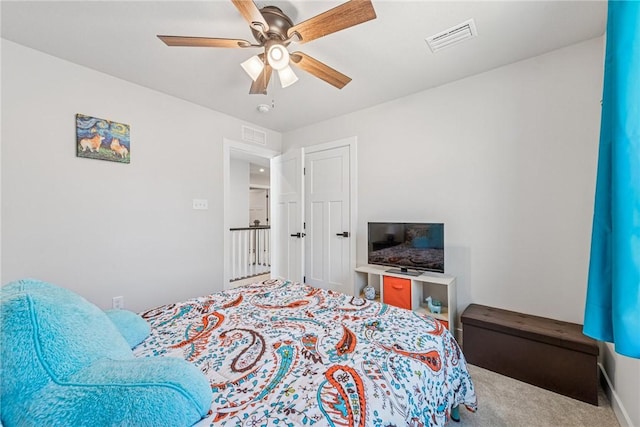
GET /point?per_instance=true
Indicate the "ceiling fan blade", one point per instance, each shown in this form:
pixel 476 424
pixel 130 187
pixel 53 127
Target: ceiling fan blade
pixel 319 69
pixel 346 15
pixel 259 87
pixel 203 42
pixel 251 13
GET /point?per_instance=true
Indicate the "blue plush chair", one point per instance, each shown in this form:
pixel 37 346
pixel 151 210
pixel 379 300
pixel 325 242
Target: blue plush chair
pixel 64 362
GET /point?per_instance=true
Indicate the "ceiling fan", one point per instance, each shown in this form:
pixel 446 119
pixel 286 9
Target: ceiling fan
pixel 274 31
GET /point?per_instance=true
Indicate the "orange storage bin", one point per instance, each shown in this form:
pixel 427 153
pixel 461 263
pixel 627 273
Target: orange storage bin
pixel 397 292
pixel 444 323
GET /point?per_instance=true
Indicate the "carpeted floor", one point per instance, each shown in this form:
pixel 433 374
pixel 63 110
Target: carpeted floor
pixel 503 401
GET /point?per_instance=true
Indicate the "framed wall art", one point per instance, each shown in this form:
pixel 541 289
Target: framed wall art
pixel 102 139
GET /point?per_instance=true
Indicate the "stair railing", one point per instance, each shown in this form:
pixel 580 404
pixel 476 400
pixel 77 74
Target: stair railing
pixel 250 251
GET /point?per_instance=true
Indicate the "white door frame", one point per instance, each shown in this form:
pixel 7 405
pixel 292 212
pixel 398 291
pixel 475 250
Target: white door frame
pixel 352 143
pixel 229 145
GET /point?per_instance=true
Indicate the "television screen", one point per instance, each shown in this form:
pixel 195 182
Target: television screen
pixel 415 246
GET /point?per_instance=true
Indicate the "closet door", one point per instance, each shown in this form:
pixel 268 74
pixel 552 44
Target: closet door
pixel 327 215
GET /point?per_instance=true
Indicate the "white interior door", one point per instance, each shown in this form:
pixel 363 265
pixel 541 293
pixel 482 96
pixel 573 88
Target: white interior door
pixel 258 199
pixel 287 216
pixel 327 210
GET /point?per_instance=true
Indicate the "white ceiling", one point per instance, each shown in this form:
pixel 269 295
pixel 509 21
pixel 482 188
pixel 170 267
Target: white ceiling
pixel 387 58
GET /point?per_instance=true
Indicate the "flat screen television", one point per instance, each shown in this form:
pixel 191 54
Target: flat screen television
pixel 410 248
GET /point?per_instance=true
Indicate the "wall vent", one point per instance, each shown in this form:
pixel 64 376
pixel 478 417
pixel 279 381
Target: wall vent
pixel 254 135
pixel 453 35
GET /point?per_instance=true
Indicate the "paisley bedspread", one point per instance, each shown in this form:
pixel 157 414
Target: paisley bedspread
pixel 286 354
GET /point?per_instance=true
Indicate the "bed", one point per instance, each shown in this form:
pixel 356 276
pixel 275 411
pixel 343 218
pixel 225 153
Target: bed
pixel 278 353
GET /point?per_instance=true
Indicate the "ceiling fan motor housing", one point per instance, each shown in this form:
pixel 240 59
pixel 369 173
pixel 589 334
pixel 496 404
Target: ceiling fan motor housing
pixel 278 22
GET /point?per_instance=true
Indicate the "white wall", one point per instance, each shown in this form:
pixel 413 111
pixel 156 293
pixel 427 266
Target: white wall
pixel 260 179
pixel 506 159
pixel 623 373
pixel 239 194
pixel 101 228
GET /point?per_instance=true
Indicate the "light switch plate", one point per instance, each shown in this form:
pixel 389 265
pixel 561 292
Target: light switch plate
pixel 118 302
pixel 200 204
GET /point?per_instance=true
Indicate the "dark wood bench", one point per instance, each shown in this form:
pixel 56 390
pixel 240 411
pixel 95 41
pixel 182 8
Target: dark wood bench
pixel 548 353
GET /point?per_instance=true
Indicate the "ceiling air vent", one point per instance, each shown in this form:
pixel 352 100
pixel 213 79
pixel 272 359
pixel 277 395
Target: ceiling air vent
pixel 254 135
pixel 453 35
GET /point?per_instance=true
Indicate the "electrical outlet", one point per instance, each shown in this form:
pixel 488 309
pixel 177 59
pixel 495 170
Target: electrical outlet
pixel 118 302
pixel 200 204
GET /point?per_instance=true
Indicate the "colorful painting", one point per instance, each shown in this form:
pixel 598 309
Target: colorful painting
pixel 102 139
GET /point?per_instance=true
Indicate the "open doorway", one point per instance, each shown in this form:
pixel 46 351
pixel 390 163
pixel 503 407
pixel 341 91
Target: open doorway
pixel 259 191
pixel 247 226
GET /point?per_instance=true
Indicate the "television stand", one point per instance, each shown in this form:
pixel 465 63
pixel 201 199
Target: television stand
pixel 436 285
pixel 404 271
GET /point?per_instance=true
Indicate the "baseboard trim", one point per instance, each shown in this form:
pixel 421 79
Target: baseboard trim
pixel 618 408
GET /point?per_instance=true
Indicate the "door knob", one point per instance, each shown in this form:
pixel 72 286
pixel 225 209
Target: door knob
pixel 343 234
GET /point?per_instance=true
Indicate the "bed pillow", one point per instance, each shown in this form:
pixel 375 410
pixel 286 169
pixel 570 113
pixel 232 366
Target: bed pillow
pixel 133 328
pixel 65 363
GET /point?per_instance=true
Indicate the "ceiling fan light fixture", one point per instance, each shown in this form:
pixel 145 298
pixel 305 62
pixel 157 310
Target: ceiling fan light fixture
pixel 287 77
pixel 253 66
pixel 278 56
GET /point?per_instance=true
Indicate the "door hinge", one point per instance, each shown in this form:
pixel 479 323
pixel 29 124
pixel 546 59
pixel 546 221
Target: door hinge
pixel 304 225
pixel 304 279
pixel 304 171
